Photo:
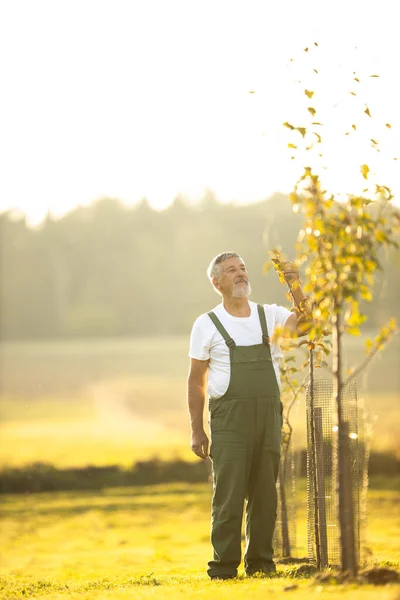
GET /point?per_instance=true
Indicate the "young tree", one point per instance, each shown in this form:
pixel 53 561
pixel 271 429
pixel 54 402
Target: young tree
pixel 291 390
pixel 340 249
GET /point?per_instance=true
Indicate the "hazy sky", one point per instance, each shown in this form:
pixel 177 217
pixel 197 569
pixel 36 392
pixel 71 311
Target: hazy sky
pixel 148 98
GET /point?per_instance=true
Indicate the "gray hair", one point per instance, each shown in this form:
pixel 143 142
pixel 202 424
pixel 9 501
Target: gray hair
pixel 214 266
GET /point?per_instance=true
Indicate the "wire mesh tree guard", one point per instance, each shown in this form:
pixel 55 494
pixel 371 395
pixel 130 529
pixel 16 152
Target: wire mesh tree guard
pixel 284 541
pixel 323 531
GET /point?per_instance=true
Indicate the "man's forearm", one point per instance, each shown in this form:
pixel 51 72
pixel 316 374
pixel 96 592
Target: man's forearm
pixel 303 309
pixel 196 401
pixel 297 294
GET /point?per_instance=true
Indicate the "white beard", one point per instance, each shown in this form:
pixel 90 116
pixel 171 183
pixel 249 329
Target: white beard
pixel 241 290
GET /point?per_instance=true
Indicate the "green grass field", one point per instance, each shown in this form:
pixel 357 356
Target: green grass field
pixel 153 542
pixel 116 401
pixel 102 402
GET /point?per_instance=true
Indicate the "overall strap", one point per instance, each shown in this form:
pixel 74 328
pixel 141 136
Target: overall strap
pixel 228 340
pixel 263 321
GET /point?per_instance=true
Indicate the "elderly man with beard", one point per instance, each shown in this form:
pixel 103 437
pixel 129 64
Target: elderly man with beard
pixel 235 361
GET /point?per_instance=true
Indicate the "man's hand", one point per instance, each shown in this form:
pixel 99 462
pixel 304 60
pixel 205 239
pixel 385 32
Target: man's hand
pixel 199 443
pixel 290 271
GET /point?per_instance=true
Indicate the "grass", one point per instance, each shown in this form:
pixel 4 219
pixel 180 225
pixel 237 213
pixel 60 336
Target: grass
pixel 152 542
pixel 115 401
pixel 120 422
pixel 98 428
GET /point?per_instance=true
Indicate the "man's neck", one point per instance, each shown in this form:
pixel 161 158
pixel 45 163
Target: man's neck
pixel 237 307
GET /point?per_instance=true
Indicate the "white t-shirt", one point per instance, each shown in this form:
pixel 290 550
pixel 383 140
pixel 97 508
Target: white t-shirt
pixel 207 343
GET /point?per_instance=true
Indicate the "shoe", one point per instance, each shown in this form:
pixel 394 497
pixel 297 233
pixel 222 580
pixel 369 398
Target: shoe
pixel 222 577
pixel 261 569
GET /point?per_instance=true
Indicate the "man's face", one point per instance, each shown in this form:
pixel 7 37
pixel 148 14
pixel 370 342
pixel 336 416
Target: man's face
pixel 233 280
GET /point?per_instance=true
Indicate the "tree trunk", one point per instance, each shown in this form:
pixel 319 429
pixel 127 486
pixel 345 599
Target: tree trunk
pixel 314 465
pixel 320 491
pixel 343 467
pixel 284 515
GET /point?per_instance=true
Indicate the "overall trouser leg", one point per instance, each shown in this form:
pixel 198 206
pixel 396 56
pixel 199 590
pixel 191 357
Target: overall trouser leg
pixel 231 452
pixel 261 494
pixel 261 511
pixel 227 514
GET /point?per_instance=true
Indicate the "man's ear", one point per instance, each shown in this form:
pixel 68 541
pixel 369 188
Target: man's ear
pixel 215 283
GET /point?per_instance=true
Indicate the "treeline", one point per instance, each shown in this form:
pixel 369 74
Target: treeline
pixel 113 270
pixel 41 477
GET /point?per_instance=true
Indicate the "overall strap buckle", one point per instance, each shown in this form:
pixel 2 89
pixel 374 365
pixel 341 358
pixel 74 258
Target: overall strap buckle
pixel 230 343
pixel 265 339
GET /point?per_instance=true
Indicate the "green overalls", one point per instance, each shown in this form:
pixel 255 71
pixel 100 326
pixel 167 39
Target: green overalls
pixel 245 425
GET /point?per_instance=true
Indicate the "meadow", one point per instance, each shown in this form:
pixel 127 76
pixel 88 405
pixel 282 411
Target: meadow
pixel 115 401
pixel 102 402
pixel 153 542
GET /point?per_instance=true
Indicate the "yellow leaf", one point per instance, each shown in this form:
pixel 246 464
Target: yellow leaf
pixel 292 146
pixel 302 343
pixel 354 331
pixel 288 125
pixel 388 125
pixel 364 169
pixel 368 344
pixel 367 296
pixel 354 127
pixel 374 75
pixel 367 111
pixel 308 93
pixel 311 110
pixel 302 130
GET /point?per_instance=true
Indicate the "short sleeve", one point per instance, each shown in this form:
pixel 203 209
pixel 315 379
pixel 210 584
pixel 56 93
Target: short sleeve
pixel 199 342
pixel 281 315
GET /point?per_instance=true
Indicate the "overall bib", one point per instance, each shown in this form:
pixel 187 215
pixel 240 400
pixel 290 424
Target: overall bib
pixel 245 426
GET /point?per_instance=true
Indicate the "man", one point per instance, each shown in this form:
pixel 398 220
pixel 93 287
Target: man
pixel 235 361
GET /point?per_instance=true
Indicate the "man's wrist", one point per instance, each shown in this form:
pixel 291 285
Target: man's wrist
pixel 197 429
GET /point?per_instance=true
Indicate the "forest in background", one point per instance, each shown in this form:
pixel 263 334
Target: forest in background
pixel 112 270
